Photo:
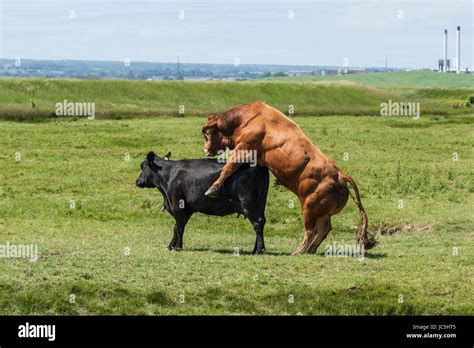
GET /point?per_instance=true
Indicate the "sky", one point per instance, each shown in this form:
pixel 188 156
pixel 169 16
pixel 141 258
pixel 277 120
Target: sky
pixel 353 33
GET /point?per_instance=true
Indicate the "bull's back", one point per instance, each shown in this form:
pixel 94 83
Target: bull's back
pixel 287 151
pixel 279 130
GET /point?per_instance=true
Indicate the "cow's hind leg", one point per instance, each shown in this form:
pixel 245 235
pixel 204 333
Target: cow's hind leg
pixel 176 243
pixel 258 225
pixel 324 227
pixel 173 240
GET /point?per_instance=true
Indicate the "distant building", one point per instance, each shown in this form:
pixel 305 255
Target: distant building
pixel 300 73
pixel 155 78
pixel 197 78
pixel 345 71
pixel 356 71
pixel 441 67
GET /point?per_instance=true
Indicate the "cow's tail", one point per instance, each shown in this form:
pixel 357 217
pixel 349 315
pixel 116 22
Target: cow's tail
pixel 363 238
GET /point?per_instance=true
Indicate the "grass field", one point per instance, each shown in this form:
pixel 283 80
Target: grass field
pixel 419 79
pixel 108 254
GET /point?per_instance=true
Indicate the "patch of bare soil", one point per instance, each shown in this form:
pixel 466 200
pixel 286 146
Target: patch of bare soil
pixel 389 230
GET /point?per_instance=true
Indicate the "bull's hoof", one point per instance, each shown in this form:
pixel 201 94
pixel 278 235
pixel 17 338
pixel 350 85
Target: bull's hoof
pixel 211 192
pixel 297 252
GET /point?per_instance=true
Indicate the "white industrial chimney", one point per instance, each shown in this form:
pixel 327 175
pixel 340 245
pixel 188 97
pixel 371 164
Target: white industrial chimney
pixel 445 50
pixel 458 51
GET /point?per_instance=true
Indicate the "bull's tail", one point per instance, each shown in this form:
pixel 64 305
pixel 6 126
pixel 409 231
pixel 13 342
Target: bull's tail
pixel 363 238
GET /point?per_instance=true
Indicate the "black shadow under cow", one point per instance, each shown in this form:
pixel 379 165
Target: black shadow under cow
pixel 183 184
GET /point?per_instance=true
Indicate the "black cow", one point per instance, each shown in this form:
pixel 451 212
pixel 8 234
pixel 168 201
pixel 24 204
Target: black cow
pixel 183 183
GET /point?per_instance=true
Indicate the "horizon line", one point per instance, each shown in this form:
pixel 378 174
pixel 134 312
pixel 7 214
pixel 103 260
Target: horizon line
pixel 200 63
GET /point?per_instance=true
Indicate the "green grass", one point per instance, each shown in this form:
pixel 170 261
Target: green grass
pixel 410 79
pixel 82 249
pixel 123 98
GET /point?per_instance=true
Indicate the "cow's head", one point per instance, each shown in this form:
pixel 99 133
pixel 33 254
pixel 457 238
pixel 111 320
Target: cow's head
pixel 214 139
pixel 151 169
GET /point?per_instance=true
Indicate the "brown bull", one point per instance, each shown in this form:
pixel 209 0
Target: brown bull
pixel 296 162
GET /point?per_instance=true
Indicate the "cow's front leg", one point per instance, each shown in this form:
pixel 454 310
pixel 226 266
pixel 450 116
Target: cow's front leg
pixel 232 165
pixel 178 230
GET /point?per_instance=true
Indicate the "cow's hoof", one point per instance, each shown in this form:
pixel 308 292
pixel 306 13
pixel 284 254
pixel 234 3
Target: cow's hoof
pixel 211 192
pixel 258 252
pixel 177 249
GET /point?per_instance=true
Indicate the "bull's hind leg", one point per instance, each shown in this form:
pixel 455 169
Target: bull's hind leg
pixel 334 201
pixel 317 208
pixel 310 230
pixel 323 227
pixel 309 236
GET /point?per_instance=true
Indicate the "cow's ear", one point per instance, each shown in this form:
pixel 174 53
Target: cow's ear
pixel 167 156
pixel 151 156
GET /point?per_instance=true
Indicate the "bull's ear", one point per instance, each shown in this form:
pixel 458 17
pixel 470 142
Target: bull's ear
pixel 151 156
pixel 167 156
pixel 210 124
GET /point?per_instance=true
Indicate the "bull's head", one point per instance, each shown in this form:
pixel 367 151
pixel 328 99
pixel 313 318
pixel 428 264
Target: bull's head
pixel 215 141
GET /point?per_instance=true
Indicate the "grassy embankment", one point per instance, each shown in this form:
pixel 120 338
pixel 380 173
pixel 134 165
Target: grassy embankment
pixel 36 98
